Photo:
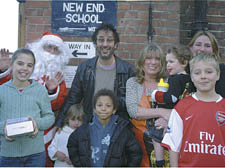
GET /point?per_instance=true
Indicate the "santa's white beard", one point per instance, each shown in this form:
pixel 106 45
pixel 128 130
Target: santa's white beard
pixel 47 65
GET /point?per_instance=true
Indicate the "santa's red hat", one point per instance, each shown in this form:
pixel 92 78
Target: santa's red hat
pixel 52 37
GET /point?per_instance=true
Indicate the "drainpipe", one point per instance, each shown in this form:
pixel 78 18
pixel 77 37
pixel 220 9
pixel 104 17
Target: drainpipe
pixel 200 22
pixel 22 24
pixel 150 29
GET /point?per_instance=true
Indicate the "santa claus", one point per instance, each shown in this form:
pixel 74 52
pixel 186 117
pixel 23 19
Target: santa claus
pixel 51 55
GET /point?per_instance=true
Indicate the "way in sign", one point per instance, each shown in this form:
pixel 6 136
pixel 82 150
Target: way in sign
pixel 79 46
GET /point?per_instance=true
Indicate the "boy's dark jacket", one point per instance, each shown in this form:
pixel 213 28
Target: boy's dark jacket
pixel 124 149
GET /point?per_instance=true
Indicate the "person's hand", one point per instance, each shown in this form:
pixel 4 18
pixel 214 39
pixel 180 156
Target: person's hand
pixel 54 82
pixel 153 95
pixel 68 161
pixel 33 134
pixel 4 59
pixel 61 156
pixel 6 135
pixel 160 123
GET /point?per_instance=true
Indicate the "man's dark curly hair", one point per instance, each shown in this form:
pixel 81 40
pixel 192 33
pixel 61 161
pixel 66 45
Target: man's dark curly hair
pixel 106 27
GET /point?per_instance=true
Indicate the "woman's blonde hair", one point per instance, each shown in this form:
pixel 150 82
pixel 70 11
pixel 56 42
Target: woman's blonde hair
pixel 74 112
pixel 147 53
pixel 212 39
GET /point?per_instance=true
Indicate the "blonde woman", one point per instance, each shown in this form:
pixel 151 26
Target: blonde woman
pixel 150 67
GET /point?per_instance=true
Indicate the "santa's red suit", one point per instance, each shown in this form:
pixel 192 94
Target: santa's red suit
pixel 57 100
pixel 5 76
pixel 47 66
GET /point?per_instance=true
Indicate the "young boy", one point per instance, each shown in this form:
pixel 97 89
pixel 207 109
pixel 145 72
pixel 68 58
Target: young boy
pixel 180 85
pixel 106 139
pixel 196 128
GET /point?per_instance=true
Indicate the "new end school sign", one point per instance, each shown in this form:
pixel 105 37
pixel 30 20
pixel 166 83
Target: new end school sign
pixel 80 18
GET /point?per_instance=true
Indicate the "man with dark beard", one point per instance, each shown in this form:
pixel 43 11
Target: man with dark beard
pixel 51 55
pixel 106 70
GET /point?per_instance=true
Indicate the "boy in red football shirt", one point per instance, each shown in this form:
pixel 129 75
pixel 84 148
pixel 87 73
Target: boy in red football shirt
pixel 196 128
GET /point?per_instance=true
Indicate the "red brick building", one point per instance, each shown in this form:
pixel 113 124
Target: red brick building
pixel 171 21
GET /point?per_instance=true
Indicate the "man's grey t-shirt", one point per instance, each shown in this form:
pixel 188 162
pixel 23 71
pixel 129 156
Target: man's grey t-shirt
pixel 105 78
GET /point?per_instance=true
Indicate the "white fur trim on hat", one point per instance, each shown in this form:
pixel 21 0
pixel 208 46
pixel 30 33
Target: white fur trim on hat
pixel 53 38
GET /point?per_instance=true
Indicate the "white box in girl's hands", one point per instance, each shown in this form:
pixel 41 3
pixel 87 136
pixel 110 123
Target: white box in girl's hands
pixel 19 126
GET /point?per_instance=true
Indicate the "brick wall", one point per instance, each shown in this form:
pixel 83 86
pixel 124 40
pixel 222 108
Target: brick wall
pixel 216 22
pixel 215 18
pixel 166 22
pixel 132 24
pixel 187 19
pixel 171 23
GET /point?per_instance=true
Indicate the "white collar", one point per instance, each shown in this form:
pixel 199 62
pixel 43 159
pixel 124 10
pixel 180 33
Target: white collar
pixel 195 97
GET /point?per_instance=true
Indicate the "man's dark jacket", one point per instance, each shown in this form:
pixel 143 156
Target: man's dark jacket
pixel 124 150
pixel 83 87
pixel 220 84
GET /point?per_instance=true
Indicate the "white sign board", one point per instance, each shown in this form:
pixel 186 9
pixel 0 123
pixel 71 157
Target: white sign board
pixel 69 74
pixel 81 49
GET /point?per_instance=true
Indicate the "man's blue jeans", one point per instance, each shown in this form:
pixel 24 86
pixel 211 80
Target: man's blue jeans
pixel 35 160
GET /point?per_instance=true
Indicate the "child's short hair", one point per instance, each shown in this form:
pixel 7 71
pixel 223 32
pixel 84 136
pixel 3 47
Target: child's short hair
pixel 21 51
pixel 182 53
pixel 74 112
pixel 205 57
pixel 106 92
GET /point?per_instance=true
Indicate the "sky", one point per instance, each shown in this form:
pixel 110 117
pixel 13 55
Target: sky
pixel 9 14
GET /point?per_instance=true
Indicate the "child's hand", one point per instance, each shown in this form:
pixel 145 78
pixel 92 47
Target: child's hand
pixel 33 134
pixel 153 99
pixel 160 123
pixel 6 135
pixel 61 156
